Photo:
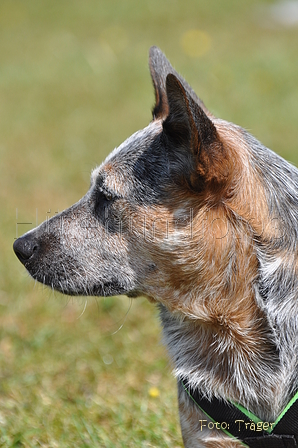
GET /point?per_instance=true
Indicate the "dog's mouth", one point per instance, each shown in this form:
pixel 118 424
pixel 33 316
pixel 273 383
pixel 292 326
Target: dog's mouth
pixel 107 289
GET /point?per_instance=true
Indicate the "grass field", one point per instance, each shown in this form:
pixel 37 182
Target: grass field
pixel 74 83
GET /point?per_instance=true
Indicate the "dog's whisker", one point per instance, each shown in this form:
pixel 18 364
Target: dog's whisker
pixel 124 319
pixel 84 309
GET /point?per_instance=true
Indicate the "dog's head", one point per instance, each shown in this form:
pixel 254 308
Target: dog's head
pixel 174 213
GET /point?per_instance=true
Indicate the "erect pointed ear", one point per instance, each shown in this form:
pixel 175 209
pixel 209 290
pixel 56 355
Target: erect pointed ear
pixel 159 69
pixel 192 136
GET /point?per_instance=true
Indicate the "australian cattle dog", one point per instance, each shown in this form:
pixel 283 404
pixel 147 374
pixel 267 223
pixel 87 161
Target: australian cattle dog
pixel 198 216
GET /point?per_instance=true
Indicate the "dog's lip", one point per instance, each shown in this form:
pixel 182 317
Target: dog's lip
pixel 133 294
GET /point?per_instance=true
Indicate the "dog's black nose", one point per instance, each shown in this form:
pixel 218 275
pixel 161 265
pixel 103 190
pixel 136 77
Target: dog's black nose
pixel 25 247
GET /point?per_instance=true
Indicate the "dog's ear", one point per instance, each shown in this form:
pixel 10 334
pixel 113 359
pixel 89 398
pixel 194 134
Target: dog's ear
pixel 193 139
pixel 160 68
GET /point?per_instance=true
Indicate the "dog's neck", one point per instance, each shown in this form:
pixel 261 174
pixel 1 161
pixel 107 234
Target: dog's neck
pixel 252 371
pixel 234 335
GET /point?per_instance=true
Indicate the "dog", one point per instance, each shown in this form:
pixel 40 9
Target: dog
pixel 198 216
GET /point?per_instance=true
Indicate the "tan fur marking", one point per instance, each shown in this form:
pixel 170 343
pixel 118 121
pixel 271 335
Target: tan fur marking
pixel 246 195
pixel 115 179
pixel 208 258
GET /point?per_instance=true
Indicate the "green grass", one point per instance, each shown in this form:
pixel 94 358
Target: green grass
pixel 69 381
pixel 74 83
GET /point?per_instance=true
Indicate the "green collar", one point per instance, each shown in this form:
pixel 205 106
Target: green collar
pixel 237 422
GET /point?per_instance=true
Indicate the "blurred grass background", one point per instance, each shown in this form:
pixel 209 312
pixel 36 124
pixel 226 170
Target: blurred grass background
pixel 74 83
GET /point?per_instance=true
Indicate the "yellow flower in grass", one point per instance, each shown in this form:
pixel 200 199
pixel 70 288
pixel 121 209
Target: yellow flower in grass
pixel 154 392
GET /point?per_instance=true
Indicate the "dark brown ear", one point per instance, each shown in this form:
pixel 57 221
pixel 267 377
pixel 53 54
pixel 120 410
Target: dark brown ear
pixel 190 132
pixel 160 68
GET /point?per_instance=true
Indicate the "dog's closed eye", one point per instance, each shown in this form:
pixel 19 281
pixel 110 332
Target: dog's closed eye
pixel 103 195
pixel 108 195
